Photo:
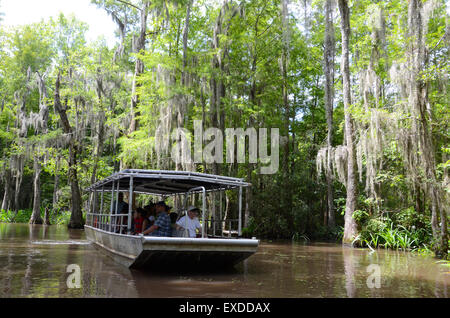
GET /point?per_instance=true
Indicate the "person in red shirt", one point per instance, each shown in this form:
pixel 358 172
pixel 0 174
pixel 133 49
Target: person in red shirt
pixel 138 219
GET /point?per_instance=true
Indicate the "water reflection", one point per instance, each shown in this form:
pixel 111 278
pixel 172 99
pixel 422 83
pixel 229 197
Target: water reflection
pixel 349 268
pixel 34 259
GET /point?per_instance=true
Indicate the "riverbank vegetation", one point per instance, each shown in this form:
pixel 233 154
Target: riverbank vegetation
pixel 358 89
pixel 24 216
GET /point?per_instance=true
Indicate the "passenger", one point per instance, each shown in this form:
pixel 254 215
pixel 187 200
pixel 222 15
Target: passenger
pixel 134 215
pixel 150 210
pixel 191 223
pixel 173 219
pixel 139 218
pixel 122 208
pixel 162 226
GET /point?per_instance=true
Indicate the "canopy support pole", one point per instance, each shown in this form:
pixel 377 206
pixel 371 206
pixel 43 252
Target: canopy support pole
pixel 130 206
pixel 220 212
pixel 112 206
pixel 90 216
pixel 240 212
pixel 102 217
pixel 94 207
pixel 203 206
pixel 117 207
pixel 203 212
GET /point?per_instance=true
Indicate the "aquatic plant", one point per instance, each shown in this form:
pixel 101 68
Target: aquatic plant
pixel 385 233
pixel 424 250
pixel 300 237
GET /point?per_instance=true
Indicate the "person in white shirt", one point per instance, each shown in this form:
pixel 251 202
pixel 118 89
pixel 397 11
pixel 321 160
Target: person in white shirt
pixel 191 222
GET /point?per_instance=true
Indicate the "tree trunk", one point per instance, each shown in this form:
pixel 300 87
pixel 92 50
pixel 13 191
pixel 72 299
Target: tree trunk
pixel 418 100
pixel 329 96
pixel 139 67
pixel 216 87
pixel 185 39
pixel 418 199
pixel 6 203
pixel 284 73
pixel 182 107
pixel 47 216
pixel 220 69
pixel 56 184
pixel 36 215
pixel 4 206
pixel 76 216
pixel 251 122
pixel 19 176
pixel 350 229
pixel 100 141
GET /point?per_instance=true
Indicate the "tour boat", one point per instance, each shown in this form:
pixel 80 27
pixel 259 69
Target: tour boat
pixel 219 246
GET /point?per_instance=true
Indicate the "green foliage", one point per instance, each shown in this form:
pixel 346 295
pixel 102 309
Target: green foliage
pixel 325 233
pixel 376 225
pixel 424 250
pixel 61 218
pixel 6 216
pixel 394 233
pixel 22 216
pixel 360 216
pixel 409 218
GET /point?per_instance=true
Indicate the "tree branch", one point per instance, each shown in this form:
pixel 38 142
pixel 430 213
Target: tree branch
pixel 437 44
pixel 129 4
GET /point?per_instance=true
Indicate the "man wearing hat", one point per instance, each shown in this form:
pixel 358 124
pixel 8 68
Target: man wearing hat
pixel 162 225
pixel 190 223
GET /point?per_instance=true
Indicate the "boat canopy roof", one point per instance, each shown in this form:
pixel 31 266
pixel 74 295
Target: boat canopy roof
pixel 165 182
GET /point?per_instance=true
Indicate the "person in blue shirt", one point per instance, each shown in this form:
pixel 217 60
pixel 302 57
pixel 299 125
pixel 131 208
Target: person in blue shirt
pixel 162 225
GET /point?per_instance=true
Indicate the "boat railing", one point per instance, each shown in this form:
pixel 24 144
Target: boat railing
pixel 108 222
pixel 117 223
pixel 223 227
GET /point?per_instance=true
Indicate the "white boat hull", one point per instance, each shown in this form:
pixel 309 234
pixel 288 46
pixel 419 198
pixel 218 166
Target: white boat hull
pixel 172 252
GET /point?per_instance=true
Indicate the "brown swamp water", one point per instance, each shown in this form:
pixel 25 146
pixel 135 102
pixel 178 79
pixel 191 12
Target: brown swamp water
pixel 34 261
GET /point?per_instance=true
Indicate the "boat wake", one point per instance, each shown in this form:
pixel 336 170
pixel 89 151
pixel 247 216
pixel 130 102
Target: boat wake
pixel 69 242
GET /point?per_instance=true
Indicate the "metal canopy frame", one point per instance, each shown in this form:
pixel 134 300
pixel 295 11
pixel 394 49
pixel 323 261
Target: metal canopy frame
pixel 164 183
